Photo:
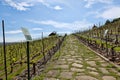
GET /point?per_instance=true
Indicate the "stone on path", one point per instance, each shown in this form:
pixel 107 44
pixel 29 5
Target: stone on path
pixel 77 61
pixel 85 78
pixel 70 60
pixel 66 75
pixel 104 64
pixel 91 68
pixel 53 73
pixel 94 73
pixel 51 79
pixel 77 65
pixel 61 66
pixel 98 59
pixel 108 78
pixel 91 63
pixel 77 70
pixel 61 62
pixel 104 71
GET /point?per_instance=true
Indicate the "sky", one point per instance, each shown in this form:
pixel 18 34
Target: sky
pixel 62 16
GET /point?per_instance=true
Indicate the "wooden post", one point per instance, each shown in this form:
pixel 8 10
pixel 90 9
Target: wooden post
pixel 116 42
pixel 34 70
pixel 106 45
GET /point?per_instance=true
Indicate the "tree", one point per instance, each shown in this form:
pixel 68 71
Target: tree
pixel 94 27
pixel 107 22
pixel 53 33
pixel 116 19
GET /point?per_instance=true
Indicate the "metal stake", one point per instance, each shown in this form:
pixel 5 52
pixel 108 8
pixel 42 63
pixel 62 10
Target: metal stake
pixel 4 49
pixel 28 60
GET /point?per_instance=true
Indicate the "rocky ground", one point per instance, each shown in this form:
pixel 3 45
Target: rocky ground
pixel 76 62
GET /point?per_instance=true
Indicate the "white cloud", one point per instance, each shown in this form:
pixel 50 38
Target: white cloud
pixel 110 13
pixel 64 32
pixel 76 25
pixel 15 39
pixel 43 2
pixel 48 4
pixel 22 6
pixel 45 34
pixel 13 32
pixel 105 1
pixel 91 2
pixel 92 13
pixel 57 8
pixel 35 29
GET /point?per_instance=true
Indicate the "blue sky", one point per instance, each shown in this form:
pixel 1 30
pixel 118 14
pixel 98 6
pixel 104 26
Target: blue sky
pixel 62 16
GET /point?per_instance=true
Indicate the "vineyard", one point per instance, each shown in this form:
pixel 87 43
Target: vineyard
pixel 16 55
pixel 107 44
pixel 104 40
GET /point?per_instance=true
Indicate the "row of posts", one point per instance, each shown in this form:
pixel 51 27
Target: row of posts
pixel 93 44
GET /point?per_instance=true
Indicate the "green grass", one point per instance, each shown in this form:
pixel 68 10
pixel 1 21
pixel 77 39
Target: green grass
pixel 117 49
pixel 10 77
pixel 98 63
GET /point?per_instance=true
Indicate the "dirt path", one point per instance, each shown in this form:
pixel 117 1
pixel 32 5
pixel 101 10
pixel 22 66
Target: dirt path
pixel 77 62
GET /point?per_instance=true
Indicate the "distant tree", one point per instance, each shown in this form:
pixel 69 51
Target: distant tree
pixel 94 27
pixel 107 22
pixel 116 19
pixel 53 33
